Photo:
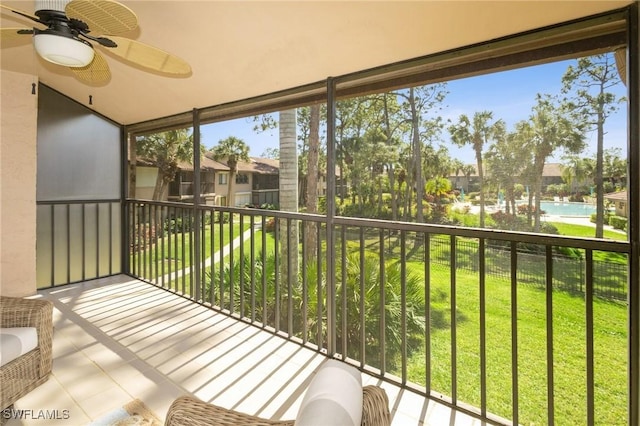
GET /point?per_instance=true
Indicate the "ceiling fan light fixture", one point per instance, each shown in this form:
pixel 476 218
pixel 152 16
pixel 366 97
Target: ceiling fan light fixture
pixel 66 51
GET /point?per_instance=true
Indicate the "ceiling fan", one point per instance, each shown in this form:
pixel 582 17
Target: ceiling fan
pixel 74 27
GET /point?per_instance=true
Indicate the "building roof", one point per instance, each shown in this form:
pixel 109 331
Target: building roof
pixel 206 163
pixel 617 196
pixel 550 170
pixel 264 166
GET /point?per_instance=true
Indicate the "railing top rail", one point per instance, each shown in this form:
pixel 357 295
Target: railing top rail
pixel 459 231
pixel 79 201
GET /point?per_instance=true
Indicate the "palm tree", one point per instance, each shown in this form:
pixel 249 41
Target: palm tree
pixel 477 134
pixel 506 159
pixel 549 128
pixel 467 171
pixel 369 280
pixel 575 171
pixel 438 187
pixel 167 150
pixel 232 150
pixel 457 165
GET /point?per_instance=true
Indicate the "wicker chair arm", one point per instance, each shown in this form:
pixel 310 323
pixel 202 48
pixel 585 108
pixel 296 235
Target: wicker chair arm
pixel 375 407
pixel 18 312
pixel 189 411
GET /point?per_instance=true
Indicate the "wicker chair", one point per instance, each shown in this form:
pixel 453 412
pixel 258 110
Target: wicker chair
pixel 25 373
pixel 189 411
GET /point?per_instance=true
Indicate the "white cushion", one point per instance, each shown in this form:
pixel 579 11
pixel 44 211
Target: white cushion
pixel 334 397
pixel 15 342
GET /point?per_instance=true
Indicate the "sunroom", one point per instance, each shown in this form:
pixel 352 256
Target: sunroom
pixel 432 292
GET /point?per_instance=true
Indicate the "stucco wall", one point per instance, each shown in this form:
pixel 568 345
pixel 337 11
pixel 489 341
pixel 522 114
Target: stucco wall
pixel 18 135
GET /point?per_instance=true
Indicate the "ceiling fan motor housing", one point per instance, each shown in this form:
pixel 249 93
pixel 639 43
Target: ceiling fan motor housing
pixel 58 5
pixel 60 43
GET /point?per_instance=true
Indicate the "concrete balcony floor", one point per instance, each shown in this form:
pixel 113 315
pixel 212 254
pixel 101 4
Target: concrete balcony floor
pixel 117 339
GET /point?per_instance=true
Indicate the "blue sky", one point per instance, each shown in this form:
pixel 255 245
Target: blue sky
pixel 510 95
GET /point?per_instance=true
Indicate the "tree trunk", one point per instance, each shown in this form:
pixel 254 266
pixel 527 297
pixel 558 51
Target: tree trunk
pixel 481 177
pixel 311 237
pixel 288 197
pixel 390 168
pixel 231 188
pixel 599 176
pixel 538 195
pixel 417 158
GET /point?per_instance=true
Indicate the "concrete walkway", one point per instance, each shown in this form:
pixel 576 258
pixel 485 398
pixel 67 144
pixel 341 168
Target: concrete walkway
pixel 216 256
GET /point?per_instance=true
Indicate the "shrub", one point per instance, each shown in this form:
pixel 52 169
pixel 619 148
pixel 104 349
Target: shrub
pixel 606 217
pixel 576 198
pixel 270 225
pixel 177 224
pixel 523 209
pixel 618 222
pixel 223 217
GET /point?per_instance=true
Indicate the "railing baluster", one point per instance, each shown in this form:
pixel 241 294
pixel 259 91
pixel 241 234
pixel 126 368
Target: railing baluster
pixel 241 263
pixel 68 225
pixel 319 306
pixel 427 313
pixel 514 330
pixel 110 239
pixel 176 253
pixel 154 241
pixel 53 244
pixel 589 338
pixel 97 240
pixel 403 302
pixel 212 248
pixel 549 318
pixel 84 242
pixel 163 258
pixel 454 323
pixel 305 281
pixel 483 325
pixel 263 256
pixel 231 266
pixel 277 275
pixel 383 303
pixel 183 254
pixel 253 268
pixel 343 290
pixel 221 258
pixel 290 275
pixel 140 241
pixel 363 326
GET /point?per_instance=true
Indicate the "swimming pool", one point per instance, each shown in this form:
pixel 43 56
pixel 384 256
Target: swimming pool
pixel 557 208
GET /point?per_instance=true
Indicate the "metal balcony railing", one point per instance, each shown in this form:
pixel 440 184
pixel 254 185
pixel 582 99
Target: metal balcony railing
pixel 502 325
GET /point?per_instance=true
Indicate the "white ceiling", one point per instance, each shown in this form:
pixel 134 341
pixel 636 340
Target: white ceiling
pixel 241 49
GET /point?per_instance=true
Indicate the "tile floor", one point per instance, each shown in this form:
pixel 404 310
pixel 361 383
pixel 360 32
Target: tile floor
pixel 117 339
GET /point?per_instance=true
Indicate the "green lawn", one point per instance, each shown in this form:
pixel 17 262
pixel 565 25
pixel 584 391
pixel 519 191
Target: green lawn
pixel 587 231
pixel 569 330
pixel 173 252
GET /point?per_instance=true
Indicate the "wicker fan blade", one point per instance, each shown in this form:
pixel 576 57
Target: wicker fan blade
pixel 149 57
pixel 103 16
pixel 620 56
pixel 21 13
pixel 97 72
pixel 13 34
